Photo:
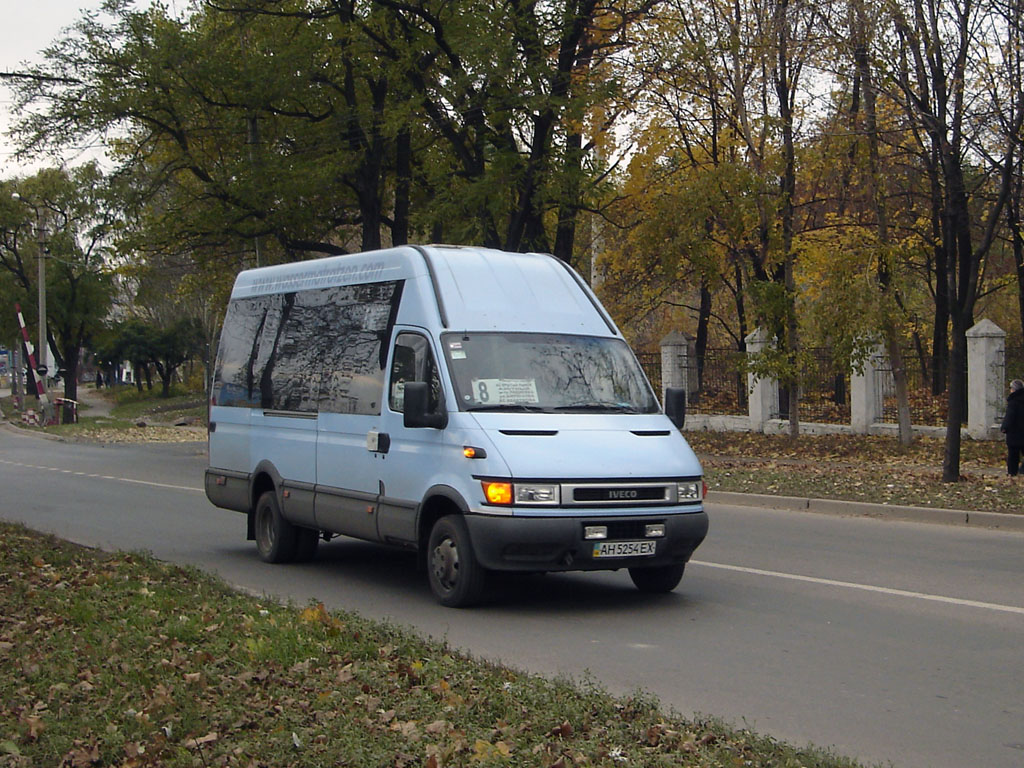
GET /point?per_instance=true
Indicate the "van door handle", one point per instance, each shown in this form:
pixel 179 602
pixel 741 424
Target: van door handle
pixel 378 442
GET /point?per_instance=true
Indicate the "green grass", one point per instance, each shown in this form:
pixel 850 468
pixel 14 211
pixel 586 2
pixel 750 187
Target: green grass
pixel 117 659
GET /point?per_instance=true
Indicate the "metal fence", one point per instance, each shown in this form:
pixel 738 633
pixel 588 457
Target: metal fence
pixel 722 383
pixel 651 363
pixel 824 390
pixel 926 409
pixel 719 387
pixel 1014 363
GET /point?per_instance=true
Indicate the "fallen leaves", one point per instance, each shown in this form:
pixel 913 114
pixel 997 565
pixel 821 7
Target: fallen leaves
pixel 857 468
pixel 236 682
pixel 83 754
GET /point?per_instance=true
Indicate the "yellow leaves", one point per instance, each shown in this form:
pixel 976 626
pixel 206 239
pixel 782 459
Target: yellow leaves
pixel 318 614
pixel 147 434
pixel 484 751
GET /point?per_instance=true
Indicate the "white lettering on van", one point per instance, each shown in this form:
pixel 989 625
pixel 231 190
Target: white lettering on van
pixel 346 274
pixel 623 494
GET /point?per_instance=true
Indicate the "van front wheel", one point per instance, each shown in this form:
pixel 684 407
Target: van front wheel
pixel 456 578
pixel 662 578
pixel 275 536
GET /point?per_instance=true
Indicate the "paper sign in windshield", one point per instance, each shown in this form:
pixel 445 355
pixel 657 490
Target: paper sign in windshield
pixel 505 391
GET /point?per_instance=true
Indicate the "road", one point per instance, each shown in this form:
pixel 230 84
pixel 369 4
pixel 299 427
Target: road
pixel 885 641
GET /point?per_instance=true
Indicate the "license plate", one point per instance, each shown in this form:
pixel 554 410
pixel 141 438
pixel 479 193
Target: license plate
pixel 624 548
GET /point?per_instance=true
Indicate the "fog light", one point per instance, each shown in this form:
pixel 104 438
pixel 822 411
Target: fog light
pixel 654 531
pixel 595 532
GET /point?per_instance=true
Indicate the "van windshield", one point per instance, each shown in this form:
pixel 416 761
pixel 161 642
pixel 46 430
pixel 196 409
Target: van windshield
pixel 527 372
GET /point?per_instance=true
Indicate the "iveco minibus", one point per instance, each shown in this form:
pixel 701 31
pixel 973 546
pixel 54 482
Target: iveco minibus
pixel 478 406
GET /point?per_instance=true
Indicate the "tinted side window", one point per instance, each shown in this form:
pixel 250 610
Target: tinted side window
pixel 303 351
pixel 413 361
pixel 357 324
pixel 236 376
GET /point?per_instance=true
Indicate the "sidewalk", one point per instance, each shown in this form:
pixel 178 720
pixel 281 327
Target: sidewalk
pixel 1001 520
pixel 98 404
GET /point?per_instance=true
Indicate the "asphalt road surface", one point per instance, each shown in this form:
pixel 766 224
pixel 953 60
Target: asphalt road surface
pixel 885 641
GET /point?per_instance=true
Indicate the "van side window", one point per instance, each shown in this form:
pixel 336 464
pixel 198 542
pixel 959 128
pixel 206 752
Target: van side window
pixel 355 330
pixel 413 361
pixel 236 379
pixel 320 349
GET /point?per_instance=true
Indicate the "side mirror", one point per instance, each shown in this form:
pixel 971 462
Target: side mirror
pixel 416 416
pixel 675 405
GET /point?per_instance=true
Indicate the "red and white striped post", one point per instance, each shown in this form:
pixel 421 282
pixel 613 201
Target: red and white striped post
pixel 40 380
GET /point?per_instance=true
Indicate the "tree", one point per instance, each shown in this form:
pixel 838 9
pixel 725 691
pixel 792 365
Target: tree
pixel 936 64
pixel 286 127
pixel 172 347
pixel 77 215
pixel 131 340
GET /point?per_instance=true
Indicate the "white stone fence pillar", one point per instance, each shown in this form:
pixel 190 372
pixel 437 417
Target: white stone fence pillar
pixel 866 393
pixel 675 364
pixel 763 404
pixel 986 382
pixel 986 374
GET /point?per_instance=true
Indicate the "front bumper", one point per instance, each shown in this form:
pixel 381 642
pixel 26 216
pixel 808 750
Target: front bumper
pixel 556 543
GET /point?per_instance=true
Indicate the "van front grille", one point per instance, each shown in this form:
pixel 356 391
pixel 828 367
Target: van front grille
pixel 618 494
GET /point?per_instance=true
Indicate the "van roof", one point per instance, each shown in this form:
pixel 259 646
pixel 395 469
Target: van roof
pixel 475 288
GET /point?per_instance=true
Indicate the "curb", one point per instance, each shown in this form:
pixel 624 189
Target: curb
pixel 995 520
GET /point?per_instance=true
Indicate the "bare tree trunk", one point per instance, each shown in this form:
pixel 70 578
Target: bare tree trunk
pixel 884 275
pixel 784 88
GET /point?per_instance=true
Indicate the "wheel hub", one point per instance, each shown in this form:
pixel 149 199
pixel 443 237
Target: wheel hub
pixel 445 563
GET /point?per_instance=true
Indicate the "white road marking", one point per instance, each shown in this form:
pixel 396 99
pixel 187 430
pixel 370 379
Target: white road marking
pixel 865 587
pixel 63 471
pixel 721 566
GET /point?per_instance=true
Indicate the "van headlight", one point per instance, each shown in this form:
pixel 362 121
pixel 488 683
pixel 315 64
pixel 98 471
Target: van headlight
pixel 690 490
pixel 534 493
pixel 502 493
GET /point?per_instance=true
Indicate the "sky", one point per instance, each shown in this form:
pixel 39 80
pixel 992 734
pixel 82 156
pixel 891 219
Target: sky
pixel 26 28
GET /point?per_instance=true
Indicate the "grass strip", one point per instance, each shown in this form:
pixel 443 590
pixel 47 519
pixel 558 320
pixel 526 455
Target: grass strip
pixel 858 468
pixel 121 660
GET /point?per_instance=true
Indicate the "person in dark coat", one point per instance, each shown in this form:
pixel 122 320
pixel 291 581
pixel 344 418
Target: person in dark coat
pixel 1013 426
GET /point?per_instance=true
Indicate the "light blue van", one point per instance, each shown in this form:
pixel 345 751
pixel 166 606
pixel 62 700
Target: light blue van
pixel 477 406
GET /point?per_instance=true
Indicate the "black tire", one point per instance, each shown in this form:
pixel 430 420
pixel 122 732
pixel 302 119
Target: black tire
pixel 659 579
pixel 456 578
pixel 306 542
pixel 275 536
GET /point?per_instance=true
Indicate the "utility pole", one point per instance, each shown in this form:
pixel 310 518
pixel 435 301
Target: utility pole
pixel 41 368
pixel 43 344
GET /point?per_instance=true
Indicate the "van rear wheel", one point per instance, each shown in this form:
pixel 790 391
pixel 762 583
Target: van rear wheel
pixel 456 577
pixel 275 536
pixel 661 578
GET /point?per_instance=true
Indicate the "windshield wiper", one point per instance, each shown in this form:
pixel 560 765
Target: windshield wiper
pixel 508 407
pixel 594 406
